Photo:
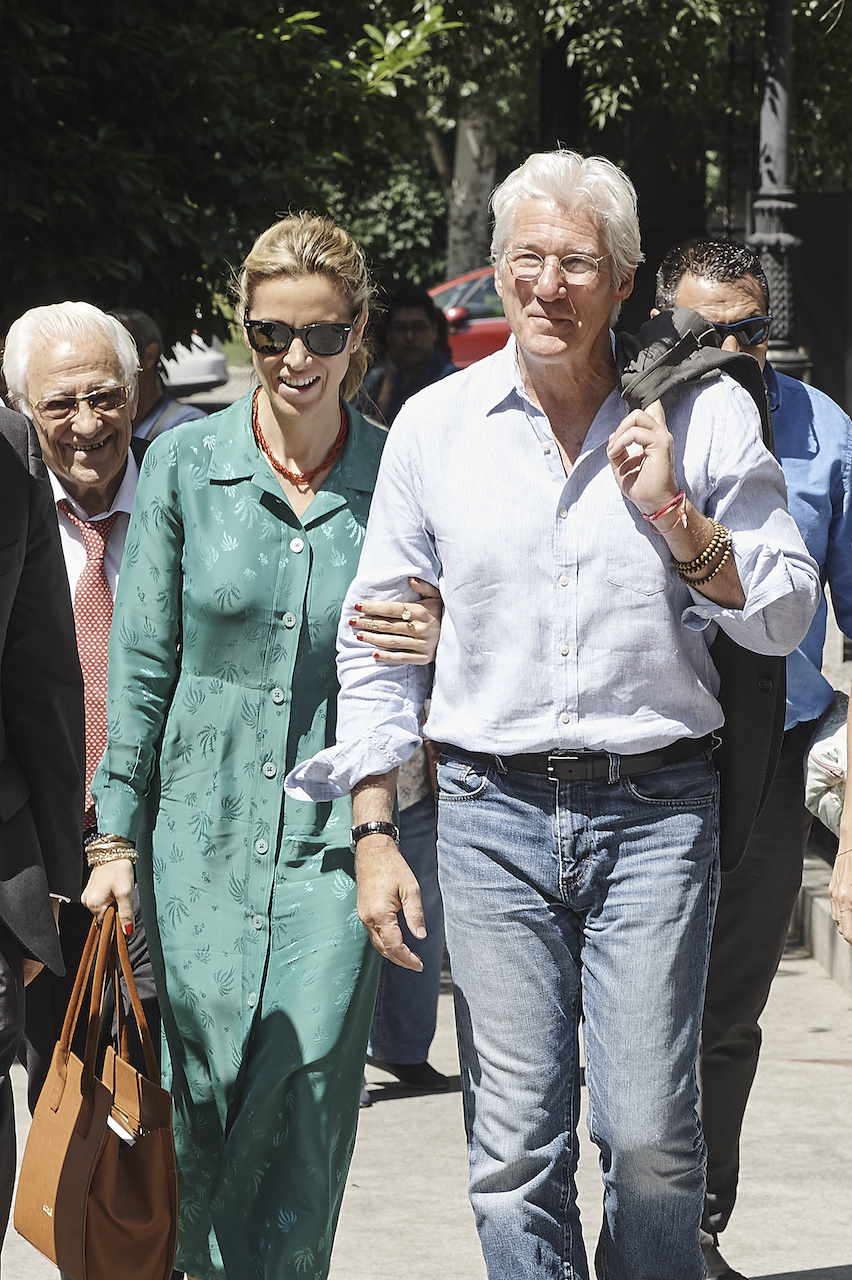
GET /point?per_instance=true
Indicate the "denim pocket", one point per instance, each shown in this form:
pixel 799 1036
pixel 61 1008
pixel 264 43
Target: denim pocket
pixel 460 779
pixel 687 784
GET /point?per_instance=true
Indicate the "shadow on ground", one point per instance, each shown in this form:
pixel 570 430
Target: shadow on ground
pixel 821 1273
pixel 389 1092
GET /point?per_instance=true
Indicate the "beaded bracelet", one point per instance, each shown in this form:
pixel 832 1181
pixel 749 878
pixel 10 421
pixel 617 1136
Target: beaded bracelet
pixel 699 582
pixel 721 536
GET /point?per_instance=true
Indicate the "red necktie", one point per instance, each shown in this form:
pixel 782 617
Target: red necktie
pixel 92 618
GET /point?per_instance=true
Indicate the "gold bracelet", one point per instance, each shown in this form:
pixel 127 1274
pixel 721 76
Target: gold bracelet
pixel 99 857
pixel 699 582
pixel 720 535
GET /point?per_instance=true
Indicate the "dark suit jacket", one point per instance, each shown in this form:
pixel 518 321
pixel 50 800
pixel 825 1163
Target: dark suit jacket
pixel 42 743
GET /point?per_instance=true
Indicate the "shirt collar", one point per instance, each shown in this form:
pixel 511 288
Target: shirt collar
pixel 123 500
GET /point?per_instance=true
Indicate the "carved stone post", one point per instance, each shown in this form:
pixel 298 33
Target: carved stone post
pixel 775 203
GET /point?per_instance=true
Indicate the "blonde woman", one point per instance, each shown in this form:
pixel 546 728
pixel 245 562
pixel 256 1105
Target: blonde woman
pixel 245 535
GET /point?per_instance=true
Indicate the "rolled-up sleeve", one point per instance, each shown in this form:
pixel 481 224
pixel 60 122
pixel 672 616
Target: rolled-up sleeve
pixel 747 493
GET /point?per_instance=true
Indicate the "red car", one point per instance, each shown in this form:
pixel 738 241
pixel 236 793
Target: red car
pixel 475 319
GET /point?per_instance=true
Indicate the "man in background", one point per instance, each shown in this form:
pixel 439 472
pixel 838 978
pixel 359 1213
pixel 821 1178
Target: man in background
pixel 156 411
pixel 413 360
pixel 41 751
pixel 725 282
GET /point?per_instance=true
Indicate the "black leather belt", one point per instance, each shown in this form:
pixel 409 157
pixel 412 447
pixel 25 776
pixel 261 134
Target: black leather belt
pixel 584 766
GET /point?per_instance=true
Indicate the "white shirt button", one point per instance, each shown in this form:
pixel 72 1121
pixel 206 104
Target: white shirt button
pixel 705 613
pixel 269 770
pixel 565 717
pixel 297 544
pixel 563 514
pixel 563 581
pixel 261 846
pixel 289 619
pixel 564 650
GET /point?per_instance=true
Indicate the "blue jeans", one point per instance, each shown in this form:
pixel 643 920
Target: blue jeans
pixel 407 1002
pixel 562 897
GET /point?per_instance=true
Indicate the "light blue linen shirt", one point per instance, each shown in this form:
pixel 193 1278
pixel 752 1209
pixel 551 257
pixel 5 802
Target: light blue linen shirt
pixel 565 624
pixel 813 443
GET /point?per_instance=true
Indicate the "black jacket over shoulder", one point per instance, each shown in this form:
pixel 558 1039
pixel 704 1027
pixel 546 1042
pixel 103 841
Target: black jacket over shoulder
pixel 42 738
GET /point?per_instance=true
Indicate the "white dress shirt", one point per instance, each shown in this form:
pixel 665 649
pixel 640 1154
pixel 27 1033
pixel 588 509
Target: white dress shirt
pixel 74 549
pixel 566 626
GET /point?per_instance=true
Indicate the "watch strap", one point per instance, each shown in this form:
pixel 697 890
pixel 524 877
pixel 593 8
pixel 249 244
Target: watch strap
pixel 373 829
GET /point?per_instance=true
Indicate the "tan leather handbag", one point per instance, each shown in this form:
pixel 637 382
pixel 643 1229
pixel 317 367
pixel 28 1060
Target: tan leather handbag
pixel 98 1188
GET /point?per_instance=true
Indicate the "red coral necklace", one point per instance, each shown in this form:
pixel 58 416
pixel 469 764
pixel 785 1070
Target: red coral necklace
pixel 299 479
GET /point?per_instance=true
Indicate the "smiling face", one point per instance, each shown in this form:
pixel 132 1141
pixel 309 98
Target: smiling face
pixel 553 321
pixel 87 452
pixel 725 302
pixel 299 385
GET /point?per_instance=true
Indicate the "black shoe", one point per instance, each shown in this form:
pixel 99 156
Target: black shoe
pixel 414 1075
pixel 715 1266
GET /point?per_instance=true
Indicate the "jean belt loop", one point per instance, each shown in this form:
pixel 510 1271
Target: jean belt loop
pixel 614 768
pixel 501 768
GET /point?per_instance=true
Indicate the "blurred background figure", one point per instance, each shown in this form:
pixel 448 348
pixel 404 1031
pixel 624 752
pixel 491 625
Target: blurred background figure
pixel 413 360
pixel 156 409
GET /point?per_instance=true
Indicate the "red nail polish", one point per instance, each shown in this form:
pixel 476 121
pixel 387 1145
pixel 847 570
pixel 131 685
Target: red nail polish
pixel 377 656
pixel 357 608
pixel 353 622
pixel 128 929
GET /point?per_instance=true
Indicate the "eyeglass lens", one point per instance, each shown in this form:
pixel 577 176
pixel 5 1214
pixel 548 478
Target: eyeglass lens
pixel 273 337
pixel 578 268
pixel 104 401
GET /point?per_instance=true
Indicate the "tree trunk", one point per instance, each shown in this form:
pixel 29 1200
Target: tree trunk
pixel 469 227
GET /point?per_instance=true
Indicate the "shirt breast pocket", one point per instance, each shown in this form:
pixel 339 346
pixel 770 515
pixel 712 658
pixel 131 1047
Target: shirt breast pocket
pixel 637 558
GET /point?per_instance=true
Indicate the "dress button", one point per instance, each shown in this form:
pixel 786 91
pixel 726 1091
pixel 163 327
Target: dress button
pixel 565 717
pixel 563 514
pixel 269 770
pixel 563 581
pixel 564 650
pixel 261 846
pixel 297 544
pixel 277 696
pixel 257 921
pixel 289 619
pixel 252 999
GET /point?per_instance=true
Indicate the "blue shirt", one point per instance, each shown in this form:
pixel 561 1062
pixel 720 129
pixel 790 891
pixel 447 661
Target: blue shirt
pixel 566 625
pixel 813 443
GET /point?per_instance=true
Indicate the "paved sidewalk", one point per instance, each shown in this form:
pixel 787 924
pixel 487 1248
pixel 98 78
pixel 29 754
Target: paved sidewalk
pixel 406 1212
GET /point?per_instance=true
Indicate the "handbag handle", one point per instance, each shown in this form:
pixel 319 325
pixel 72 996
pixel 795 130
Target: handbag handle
pixel 106 945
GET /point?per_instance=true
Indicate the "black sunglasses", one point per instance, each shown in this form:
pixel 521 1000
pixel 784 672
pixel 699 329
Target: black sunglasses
pixel 272 337
pixel 748 333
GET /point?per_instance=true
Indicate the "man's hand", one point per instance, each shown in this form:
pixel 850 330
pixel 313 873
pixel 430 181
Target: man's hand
pixel 108 883
pixel 395 637
pixel 641 455
pixel 386 885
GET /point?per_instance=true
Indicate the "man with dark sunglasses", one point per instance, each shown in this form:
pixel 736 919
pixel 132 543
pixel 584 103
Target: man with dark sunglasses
pixel 725 282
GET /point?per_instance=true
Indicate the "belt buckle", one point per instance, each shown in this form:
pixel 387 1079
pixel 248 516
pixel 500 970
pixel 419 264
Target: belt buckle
pixel 561 759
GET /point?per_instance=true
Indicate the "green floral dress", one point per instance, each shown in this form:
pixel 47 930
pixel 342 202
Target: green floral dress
pixel 222 676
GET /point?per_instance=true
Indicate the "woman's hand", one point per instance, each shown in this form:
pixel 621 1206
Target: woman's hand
pixel 111 882
pixel 401 631
pixel 840 893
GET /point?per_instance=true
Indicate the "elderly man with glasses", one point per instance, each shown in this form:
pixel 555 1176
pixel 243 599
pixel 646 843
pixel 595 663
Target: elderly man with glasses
pixel 73 369
pixel 586 556
pixel 725 282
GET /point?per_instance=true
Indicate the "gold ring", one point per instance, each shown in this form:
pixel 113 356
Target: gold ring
pixel 406 615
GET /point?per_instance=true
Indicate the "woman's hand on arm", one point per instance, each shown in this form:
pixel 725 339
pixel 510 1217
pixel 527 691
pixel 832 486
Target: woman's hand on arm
pixel 401 631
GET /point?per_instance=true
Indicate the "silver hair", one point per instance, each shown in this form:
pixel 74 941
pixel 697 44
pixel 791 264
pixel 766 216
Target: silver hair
pixel 63 323
pixel 569 180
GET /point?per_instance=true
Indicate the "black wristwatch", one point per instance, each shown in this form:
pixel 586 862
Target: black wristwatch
pixel 373 829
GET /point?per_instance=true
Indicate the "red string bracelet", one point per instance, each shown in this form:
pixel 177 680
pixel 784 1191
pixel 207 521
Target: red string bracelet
pixel 676 501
